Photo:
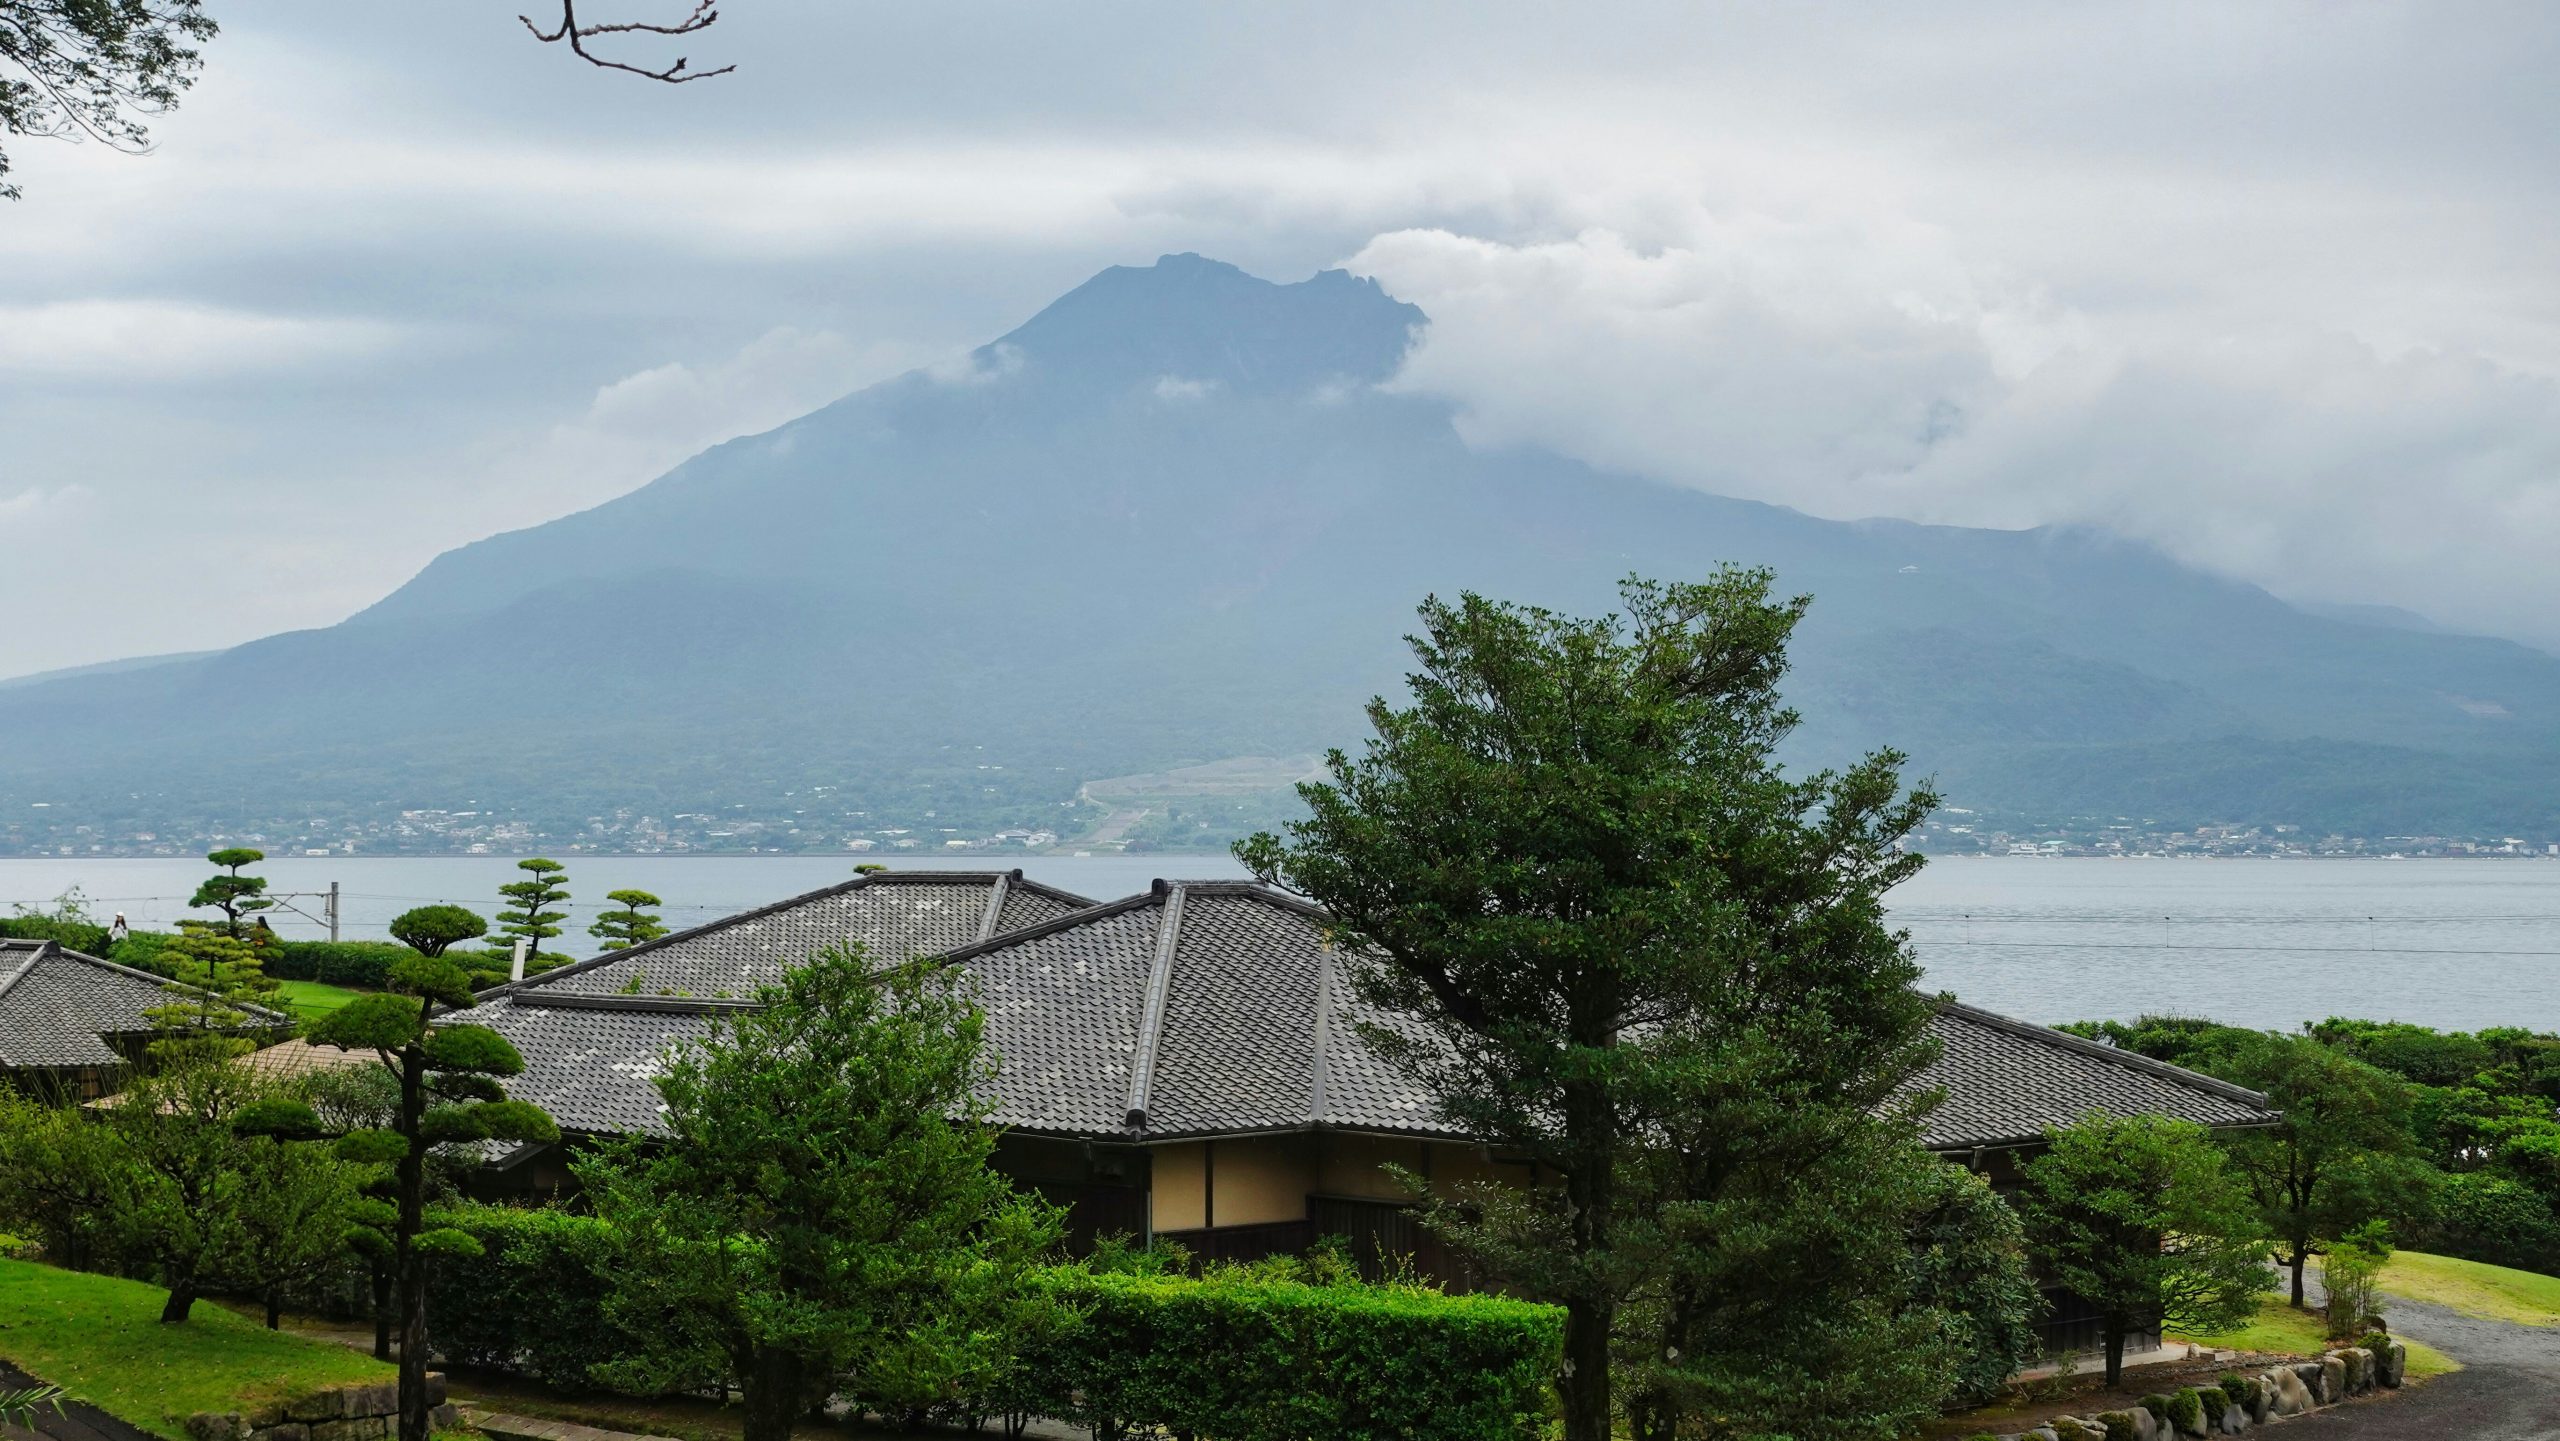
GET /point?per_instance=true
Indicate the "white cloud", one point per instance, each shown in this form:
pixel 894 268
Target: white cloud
pixel 1175 389
pixel 164 340
pixel 1873 368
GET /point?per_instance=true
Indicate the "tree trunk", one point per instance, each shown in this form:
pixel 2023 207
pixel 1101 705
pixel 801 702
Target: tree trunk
pixel 773 1395
pixel 412 1265
pixel 381 1310
pixel 275 1307
pixel 2300 1254
pixel 1588 1318
pixel 2115 1351
pixel 182 1299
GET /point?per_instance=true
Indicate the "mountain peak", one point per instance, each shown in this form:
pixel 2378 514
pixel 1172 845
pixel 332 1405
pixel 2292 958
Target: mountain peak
pixel 1194 321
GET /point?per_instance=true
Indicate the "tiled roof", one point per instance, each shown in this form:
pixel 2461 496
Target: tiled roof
pixel 1217 1008
pixel 894 915
pixel 2007 1082
pixel 58 1007
pixel 592 1034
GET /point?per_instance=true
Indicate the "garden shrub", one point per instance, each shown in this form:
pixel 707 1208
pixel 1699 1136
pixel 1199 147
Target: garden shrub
pixel 2120 1425
pixel 142 951
pixel 2215 1404
pixel 1248 1359
pixel 2186 1411
pixel 81 936
pixel 2157 1404
pixel 2483 1217
pixel 1968 1261
pixel 533 1301
pixel 360 964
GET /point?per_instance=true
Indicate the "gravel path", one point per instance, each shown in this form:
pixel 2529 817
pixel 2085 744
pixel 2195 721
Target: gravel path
pixel 2508 1389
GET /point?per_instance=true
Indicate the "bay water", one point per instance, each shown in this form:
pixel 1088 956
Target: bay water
pixel 2457 943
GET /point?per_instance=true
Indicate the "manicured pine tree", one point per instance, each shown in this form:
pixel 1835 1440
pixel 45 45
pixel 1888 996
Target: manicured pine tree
pixel 232 893
pixel 630 923
pixel 529 913
pixel 215 980
pixel 449 1093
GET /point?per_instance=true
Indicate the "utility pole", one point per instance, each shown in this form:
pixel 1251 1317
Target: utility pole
pixel 328 899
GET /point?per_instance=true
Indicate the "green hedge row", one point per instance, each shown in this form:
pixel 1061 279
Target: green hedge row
pixel 1229 1355
pixel 1245 1359
pixel 78 935
pixel 533 1302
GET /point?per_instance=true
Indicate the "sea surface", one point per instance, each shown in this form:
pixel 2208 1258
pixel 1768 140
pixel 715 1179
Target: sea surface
pixel 2270 943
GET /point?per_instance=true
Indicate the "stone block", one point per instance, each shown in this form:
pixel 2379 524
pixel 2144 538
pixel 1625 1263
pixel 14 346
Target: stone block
pixel 2390 1363
pixel 379 1399
pixel 218 1426
pixel 2287 1393
pixel 2314 1381
pixel 340 1429
pixel 2333 1379
pixel 318 1406
pixel 287 1431
pixel 435 1391
pixel 445 1416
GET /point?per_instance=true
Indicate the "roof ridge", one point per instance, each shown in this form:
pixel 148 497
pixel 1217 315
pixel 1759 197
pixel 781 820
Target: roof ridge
pixel 2113 1055
pixel 867 878
pixel 994 912
pixel 35 953
pixel 1323 1035
pixel 1003 940
pixel 1142 1065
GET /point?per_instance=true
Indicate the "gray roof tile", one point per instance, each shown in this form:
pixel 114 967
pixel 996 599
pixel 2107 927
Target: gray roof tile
pixel 59 1007
pixel 1260 1026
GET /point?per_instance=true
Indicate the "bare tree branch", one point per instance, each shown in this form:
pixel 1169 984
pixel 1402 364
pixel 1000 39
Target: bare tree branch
pixel 704 13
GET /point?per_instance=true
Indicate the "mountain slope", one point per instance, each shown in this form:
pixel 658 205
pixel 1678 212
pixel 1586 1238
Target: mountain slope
pixel 1174 518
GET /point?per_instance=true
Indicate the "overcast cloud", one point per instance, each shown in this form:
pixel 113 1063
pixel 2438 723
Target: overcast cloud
pixel 2270 286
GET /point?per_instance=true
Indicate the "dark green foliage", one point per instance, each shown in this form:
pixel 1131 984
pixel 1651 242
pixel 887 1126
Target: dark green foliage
pixel 2486 1217
pixel 2236 1386
pixel 215 979
pixel 2190 1408
pixel 1969 1265
pixel 2157 1404
pixel 1244 1359
pixel 1651 962
pixel 2428 1057
pixel 433 930
pixel 448 1092
pixel 821 1214
pixel 532 1300
pixel 527 914
pixel 94 68
pixel 363 965
pixel 630 922
pixel 85 936
pixel 2143 1219
pixel 2118 1426
pixel 232 893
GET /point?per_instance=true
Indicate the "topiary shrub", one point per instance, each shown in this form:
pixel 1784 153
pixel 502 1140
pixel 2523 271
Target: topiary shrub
pixel 364 965
pixel 2186 1411
pixel 2157 1404
pixel 1248 1359
pixel 533 1301
pixel 2235 1385
pixel 2215 1404
pixel 2120 1426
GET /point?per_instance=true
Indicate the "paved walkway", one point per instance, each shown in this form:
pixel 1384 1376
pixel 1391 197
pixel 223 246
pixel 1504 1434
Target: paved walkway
pixel 76 1421
pixel 2508 1389
pixel 533 1428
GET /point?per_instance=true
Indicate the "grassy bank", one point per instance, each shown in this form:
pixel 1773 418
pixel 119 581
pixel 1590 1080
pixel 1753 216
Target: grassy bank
pixel 2279 1328
pixel 2496 1293
pixel 100 1339
pixel 311 1000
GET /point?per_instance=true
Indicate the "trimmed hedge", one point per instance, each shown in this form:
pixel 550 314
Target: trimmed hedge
pixel 1230 1355
pixel 1245 1359
pixel 360 964
pixel 533 1301
pixel 78 935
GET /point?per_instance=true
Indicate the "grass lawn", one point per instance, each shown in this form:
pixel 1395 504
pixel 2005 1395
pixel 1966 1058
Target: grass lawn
pixel 2279 1327
pixel 313 999
pixel 101 1340
pixel 2475 1288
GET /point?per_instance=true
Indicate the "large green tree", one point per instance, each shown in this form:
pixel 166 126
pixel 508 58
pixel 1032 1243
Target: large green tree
pixel 450 1093
pixel 2342 1156
pixel 529 913
pixel 821 1213
pixel 1574 860
pixel 2144 1220
pixel 180 1179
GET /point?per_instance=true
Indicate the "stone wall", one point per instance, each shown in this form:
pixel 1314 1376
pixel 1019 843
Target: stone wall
pixel 339 1413
pixel 2242 1401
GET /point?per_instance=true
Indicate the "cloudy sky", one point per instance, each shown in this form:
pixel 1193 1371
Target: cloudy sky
pixel 2273 286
